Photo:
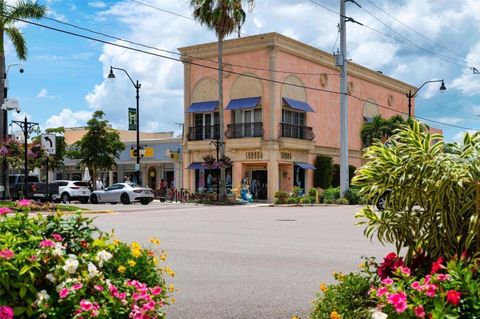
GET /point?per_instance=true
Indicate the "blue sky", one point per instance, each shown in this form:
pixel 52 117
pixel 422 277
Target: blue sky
pixel 64 79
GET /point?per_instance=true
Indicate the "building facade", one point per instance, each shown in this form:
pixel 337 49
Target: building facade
pixel 161 159
pixel 281 110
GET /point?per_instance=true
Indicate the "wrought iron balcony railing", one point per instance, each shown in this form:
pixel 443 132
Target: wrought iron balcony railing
pixel 200 133
pixel 244 130
pixel 296 131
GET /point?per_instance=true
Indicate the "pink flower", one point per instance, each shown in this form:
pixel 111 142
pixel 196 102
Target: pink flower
pixel 98 287
pixel 419 311
pixel 57 237
pixel 156 290
pixel 399 301
pixel 437 265
pixel 428 278
pixel 382 291
pixel 86 305
pixel 113 291
pixel 404 270
pixel 77 286
pixel 47 243
pixel 453 297
pixel 6 254
pixel 5 210
pixel 149 306
pixel 33 258
pixel 122 295
pixel 430 290
pixel 387 281
pixel 6 312
pixel 416 285
pixel 443 277
pixel 24 203
pixel 63 293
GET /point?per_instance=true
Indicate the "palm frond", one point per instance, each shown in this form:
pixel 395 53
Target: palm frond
pixel 24 9
pixel 18 41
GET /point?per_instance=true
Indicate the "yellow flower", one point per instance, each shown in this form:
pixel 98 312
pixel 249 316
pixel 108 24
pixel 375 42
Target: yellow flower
pixel 135 246
pixel 163 257
pixel 361 265
pixel 116 242
pixel 295 317
pixel 172 300
pixel 136 253
pixel 131 263
pixel 335 315
pixel 121 269
pixel 169 271
pixel 155 261
pixel 155 241
pixel 323 287
pixel 171 288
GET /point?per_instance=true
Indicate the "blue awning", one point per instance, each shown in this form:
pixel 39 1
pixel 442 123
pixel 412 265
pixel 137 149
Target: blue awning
pixel 196 165
pixel 244 103
pixel 305 165
pixel 298 105
pixel 198 107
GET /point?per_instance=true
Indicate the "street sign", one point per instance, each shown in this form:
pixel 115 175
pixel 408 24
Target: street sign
pixel 132 119
pixel 49 143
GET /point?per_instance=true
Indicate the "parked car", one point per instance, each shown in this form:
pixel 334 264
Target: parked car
pixel 124 193
pixel 382 200
pixel 72 190
pixel 35 189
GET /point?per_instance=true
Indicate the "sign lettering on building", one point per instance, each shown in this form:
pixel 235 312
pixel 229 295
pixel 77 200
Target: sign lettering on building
pixel 285 155
pixel 253 155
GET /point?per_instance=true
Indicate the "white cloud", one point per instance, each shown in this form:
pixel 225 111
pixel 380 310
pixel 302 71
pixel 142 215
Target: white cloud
pixel 68 118
pixel 42 93
pixel 460 135
pixel 97 4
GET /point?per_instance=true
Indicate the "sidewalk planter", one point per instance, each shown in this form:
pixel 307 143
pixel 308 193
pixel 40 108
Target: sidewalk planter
pixel 55 267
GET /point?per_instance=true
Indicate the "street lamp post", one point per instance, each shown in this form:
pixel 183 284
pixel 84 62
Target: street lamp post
pixel 5 127
pixel 410 95
pixel 137 88
pixel 26 127
pixel 217 143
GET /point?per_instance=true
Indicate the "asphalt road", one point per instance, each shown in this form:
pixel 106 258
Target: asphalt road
pixel 244 261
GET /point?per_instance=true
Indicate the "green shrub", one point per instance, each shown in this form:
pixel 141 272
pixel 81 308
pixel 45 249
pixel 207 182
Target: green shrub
pixel 341 201
pixel 281 197
pixel 296 191
pixel 336 174
pixel 330 195
pixel 353 196
pixel 312 192
pixel 307 200
pixel 348 298
pixel 50 266
pixel 322 176
pixel 293 200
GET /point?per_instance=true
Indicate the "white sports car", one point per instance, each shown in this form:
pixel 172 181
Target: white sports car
pixel 124 193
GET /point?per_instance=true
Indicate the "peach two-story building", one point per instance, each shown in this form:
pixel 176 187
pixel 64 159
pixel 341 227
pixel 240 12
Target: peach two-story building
pixel 281 110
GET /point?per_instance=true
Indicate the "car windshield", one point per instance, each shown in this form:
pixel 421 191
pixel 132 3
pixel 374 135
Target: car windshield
pixel 132 184
pixel 83 184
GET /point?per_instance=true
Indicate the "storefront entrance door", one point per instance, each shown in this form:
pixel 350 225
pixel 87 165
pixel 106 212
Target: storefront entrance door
pixel 261 188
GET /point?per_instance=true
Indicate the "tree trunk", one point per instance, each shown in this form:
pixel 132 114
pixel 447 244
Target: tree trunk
pixel 223 189
pixel 3 117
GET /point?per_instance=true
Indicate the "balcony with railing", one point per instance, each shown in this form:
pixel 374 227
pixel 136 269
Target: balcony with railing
pixel 296 131
pixel 200 133
pixel 242 130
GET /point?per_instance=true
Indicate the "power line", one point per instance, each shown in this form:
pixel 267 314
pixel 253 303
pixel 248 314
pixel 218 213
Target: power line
pixel 445 58
pixel 420 34
pixel 215 68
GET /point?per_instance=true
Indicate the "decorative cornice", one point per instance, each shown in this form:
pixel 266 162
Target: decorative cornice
pixel 296 48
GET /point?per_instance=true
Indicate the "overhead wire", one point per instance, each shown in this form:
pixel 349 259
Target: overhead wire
pixel 216 68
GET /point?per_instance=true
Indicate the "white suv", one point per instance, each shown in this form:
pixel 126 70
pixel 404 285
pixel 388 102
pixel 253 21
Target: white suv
pixel 72 190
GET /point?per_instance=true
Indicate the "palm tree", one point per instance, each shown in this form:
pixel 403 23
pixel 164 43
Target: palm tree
pixel 22 9
pixel 375 129
pixel 224 17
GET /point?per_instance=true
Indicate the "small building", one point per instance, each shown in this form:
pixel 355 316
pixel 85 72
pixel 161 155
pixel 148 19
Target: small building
pixel 161 159
pixel 281 110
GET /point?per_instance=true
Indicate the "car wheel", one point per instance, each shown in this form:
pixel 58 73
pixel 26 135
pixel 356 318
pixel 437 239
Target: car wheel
pixel 94 199
pixel 125 199
pixel 113 203
pixel 145 201
pixel 84 201
pixel 382 201
pixel 65 197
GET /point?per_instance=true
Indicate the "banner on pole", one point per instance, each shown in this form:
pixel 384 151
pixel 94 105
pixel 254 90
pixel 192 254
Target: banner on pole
pixel 132 119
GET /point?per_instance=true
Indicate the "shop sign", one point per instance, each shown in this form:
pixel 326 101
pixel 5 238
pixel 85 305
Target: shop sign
pixel 253 155
pixel 146 152
pixel 285 155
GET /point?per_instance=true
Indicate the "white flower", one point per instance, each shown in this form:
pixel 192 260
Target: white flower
pixel 103 256
pixel 58 250
pixel 376 314
pixel 50 277
pixel 71 265
pixel 42 296
pixel 92 270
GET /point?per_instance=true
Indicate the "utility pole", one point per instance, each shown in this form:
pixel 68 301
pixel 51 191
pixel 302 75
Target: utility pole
pixel 344 178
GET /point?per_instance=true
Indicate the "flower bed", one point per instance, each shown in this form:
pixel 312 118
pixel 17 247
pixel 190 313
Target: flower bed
pixel 52 267
pixel 36 206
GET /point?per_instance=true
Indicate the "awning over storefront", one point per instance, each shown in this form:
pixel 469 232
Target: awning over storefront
pixel 244 103
pixel 195 165
pixel 199 107
pixel 298 105
pixel 305 165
